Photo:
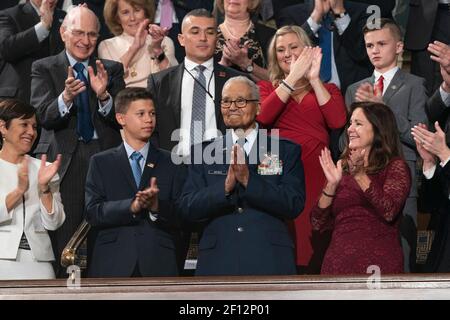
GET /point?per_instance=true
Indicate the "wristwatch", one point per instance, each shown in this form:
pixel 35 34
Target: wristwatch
pixel 249 68
pixel 160 58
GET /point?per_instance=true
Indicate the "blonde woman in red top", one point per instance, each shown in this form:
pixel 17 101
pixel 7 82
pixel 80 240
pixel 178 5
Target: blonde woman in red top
pixel 304 109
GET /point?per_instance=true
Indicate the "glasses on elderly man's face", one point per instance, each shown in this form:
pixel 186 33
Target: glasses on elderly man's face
pixel 82 34
pixel 239 102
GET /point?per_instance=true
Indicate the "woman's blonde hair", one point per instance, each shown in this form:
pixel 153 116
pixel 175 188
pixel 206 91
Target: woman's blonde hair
pixel 275 72
pixel 111 15
pixel 253 6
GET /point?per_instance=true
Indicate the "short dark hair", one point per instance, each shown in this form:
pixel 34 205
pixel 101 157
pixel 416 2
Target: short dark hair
pixel 386 143
pixel 197 13
pixel 14 109
pixel 127 96
pixel 381 23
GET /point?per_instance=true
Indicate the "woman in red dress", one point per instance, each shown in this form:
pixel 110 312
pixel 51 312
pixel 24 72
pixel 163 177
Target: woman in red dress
pixel 364 195
pixel 304 110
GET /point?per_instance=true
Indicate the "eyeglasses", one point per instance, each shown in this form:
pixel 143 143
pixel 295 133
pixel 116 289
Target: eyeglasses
pixel 81 34
pixel 239 102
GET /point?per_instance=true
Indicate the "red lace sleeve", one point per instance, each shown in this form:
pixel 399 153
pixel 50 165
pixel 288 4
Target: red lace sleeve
pixel 322 219
pixel 271 105
pixel 389 197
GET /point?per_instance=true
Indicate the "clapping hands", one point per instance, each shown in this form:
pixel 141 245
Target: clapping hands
pixel 146 199
pixel 366 92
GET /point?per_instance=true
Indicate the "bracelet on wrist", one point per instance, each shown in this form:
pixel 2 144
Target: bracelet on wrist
pixel 327 194
pixel 286 85
pixel 160 57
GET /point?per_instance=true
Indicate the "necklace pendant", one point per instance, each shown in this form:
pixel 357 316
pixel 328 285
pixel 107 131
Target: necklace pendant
pixel 133 74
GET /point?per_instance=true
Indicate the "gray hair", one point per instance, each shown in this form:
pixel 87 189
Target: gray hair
pixel 72 11
pixel 253 87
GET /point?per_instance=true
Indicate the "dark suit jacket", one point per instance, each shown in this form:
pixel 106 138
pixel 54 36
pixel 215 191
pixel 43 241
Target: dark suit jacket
pixel 123 240
pixel 350 54
pixel 245 232
pixel 19 48
pixel 435 198
pixel 165 86
pixel 422 14
pixel 437 111
pixel 386 6
pixel 5 4
pixel 59 135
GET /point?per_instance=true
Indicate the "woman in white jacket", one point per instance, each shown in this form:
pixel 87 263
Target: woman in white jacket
pixel 30 203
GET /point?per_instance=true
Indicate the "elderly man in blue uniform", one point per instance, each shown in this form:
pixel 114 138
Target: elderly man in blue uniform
pixel 244 189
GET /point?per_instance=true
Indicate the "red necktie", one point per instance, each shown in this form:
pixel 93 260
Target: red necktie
pixel 379 86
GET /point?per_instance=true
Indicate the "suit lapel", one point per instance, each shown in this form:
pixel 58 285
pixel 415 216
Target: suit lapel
pixel 30 14
pixel 124 165
pixel 396 83
pixel 92 96
pixel 220 77
pixel 60 69
pixel 150 166
pixel 174 100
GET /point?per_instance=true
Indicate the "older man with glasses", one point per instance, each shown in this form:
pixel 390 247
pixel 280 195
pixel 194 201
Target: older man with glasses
pixel 73 94
pixel 245 196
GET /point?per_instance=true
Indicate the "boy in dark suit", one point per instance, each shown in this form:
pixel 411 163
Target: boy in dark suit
pixel 131 194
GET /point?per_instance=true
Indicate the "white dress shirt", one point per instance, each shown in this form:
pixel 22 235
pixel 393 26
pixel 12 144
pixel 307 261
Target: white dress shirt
pixel 187 91
pixel 388 76
pixel 250 139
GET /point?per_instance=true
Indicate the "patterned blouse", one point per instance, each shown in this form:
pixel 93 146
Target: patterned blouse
pixel 255 51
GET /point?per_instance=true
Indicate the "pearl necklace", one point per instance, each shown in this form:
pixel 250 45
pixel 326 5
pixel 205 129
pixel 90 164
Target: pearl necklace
pixel 227 29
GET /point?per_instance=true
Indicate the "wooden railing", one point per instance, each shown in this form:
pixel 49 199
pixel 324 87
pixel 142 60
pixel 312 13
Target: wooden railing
pixel 423 286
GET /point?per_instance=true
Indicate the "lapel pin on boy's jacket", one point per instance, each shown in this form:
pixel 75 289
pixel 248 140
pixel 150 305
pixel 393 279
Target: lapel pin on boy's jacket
pixel 150 165
pixel 222 74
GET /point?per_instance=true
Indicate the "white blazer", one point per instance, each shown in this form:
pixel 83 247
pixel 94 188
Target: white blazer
pixel 37 219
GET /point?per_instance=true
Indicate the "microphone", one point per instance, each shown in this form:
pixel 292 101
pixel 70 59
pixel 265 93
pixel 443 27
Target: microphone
pixel 201 85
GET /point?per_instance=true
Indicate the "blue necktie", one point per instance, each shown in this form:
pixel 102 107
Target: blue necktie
pixel 198 106
pixel 136 167
pixel 85 128
pixel 325 43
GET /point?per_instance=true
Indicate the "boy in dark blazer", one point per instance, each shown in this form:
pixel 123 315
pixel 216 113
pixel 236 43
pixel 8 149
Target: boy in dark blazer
pixel 131 196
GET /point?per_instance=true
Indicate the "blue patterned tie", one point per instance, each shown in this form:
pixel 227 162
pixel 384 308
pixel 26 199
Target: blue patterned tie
pixel 136 167
pixel 325 43
pixel 85 128
pixel 198 106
